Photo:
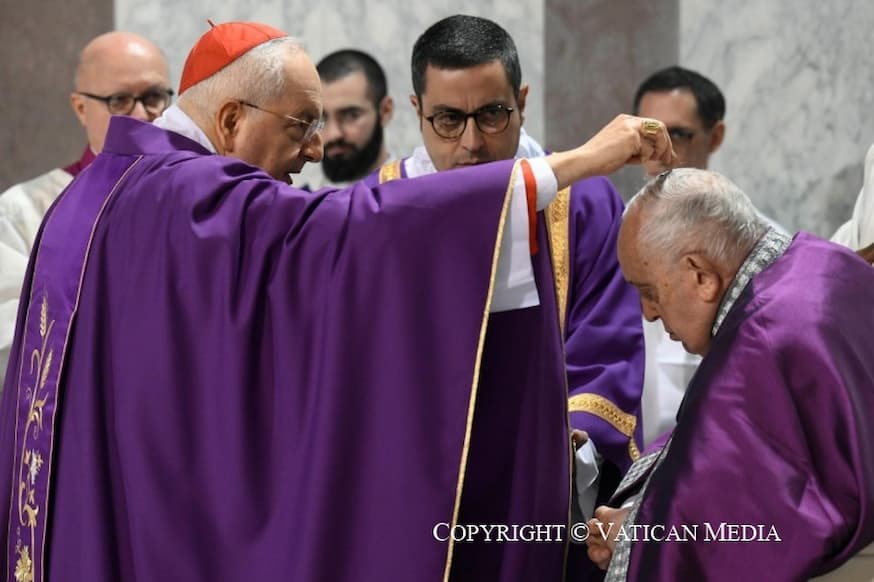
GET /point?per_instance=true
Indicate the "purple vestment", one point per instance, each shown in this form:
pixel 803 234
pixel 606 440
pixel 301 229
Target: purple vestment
pixel 602 322
pixel 775 430
pixel 604 352
pixel 262 383
pixel 604 339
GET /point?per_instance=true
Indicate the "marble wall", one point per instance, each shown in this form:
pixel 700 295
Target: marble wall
pixel 597 53
pixel 385 28
pixel 798 79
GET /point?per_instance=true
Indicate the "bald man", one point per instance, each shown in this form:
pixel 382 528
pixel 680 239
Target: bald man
pixel 119 73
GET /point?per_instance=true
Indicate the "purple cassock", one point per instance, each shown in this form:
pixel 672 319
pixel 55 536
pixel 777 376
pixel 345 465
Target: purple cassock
pixel 775 437
pixel 216 376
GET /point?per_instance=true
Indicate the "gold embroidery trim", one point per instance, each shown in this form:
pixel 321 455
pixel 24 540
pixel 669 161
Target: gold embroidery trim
pixel 609 412
pixel 390 171
pixel 632 449
pixel 31 460
pixel 557 226
pixel 477 364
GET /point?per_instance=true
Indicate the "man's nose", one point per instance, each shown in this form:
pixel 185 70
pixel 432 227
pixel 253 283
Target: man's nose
pixel 313 150
pixel 140 112
pixel 471 138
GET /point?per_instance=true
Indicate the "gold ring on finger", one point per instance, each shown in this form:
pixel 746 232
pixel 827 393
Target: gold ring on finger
pixel 650 127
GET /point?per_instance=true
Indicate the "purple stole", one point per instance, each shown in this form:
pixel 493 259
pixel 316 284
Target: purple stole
pixel 59 256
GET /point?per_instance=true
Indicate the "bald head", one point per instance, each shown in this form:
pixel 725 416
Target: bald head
pixel 111 64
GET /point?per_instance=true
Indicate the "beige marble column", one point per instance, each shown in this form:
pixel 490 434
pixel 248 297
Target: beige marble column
pixel 39 46
pixel 596 53
pixel 799 92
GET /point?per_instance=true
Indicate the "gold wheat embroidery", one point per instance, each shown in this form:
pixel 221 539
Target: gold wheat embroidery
pixel 31 460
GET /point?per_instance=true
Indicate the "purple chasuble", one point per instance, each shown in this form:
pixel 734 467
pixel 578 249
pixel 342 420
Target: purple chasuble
pixel 520 345
pixel 265 383
pixel 604 353
pixel 44 322
pixel 603 334
pixel 775 431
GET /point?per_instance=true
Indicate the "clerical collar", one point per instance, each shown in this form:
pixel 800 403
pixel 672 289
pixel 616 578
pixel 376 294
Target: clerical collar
pixel 420 164
pixel 770 247
pixel 175 120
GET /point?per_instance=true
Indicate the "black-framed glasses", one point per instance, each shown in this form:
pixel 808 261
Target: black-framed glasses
pixel 306 129
pixel 491 119
pixel 154 101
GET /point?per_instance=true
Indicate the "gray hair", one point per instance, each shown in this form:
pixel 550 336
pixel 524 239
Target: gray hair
pixel 258 76
pixel 697 210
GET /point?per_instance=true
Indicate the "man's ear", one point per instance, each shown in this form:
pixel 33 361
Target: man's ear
pixel 708 280
pixel 523 97
pixel 228 119
pixel 414 101
pixel 77 102
pixel 717 134
pixel 386 110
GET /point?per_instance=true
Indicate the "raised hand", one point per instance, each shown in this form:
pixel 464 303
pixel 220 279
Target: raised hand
pixel 625 140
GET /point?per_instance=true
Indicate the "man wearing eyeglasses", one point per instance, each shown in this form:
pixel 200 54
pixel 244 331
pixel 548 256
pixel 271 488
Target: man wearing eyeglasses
pixel 357 108
pixel 470 102
pixel 692 107
pixel 119 73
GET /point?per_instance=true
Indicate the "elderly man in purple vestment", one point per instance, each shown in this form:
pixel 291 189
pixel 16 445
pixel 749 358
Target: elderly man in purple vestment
pixel 769 474
pixel 470 101
pixel 217 376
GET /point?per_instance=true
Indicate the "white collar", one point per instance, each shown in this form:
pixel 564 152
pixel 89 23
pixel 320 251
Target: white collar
pixel 175 120
pixel 420 164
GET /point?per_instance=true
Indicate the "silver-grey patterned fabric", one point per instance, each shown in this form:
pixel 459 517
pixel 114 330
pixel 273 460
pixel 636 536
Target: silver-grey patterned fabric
pixel 770 247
